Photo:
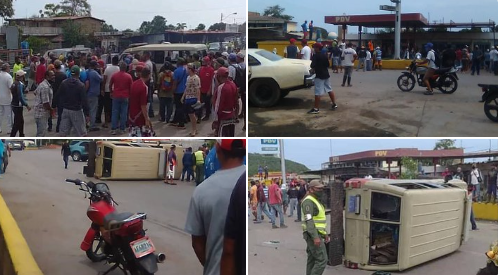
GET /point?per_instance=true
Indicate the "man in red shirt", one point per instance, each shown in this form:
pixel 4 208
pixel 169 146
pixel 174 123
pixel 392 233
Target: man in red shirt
pixel 120 88
pixel 138 115
pixel 206 73
pixel 275 198
pixel 225 103
pixel 40 71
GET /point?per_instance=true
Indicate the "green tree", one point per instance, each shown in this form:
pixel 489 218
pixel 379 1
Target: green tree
pixel 277 12
pixel 445 144
pixel 73 35
pixel 53 10
pixel 411 168
pixel 181 26
pixel 6 8
pixel 157 25
pixel 38 44
pixel 108 28
pixel 201 27
pixel 76 7
pixel 170 27
pixel 217 27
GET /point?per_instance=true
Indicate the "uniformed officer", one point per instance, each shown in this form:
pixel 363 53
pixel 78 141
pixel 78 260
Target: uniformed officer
pixel 314 226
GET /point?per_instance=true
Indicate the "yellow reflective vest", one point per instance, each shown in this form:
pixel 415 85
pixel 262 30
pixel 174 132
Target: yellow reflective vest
pixel 199 157
pixel 320 220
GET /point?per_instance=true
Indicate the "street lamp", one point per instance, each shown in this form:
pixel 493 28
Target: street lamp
pixel 397 30
pixel 227 16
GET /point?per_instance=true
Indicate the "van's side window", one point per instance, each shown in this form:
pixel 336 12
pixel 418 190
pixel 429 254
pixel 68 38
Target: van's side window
pixel 385 207
pixel 158 57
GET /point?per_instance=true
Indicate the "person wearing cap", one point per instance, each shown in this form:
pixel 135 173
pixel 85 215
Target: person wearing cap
pixel 43 103
pixel 431 69
pixel 304 26
pixel 94 81
pixel 314 222
pixel 377 59
pixel 19 101
pixel 305 51
pixel 232 66
pixel 477 57
pixel 32 73
pixel 192 97
pixel 73 100
pixel 349 56
pixel 225 104
pixel 320 66
pixel 208 208
pixel 275 202
pixel 179 85
pixel 17 65
pixel 119 93
pixel 206 75
pixel 150 91
pixel 170 176
pixel 291 51
pixel 362 55
pixel 59 77
pixel 6 82
pixel 188 163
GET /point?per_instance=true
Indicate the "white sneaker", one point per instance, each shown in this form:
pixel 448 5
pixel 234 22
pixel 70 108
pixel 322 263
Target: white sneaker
pixel 113 132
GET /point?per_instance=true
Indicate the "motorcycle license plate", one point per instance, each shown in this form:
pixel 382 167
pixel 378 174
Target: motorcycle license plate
pixel 142 247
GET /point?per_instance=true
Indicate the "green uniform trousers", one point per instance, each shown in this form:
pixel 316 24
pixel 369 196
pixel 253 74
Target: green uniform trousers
pixel 317 256
pixel 199 173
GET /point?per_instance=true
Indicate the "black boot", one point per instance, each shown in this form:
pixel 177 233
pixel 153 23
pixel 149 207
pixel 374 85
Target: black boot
pixel 344 78
pixel 349 81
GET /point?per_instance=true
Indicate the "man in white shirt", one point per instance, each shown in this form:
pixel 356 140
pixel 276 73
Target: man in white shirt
pixel 368 60
pixel 306 51
pixel 431 69
pixel 6 82
pixel 349 56
pixel 494 60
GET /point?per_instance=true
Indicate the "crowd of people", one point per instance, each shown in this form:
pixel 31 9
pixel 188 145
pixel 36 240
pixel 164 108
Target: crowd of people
pixel 84 94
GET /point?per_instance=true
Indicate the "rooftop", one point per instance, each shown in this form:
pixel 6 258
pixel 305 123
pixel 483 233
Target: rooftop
pixel 62 18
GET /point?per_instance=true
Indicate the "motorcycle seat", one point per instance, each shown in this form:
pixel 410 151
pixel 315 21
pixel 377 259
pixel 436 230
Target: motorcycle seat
pixel 443 70
pixel 114 220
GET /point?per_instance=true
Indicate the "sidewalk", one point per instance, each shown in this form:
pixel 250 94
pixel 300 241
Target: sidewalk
pixel 288 256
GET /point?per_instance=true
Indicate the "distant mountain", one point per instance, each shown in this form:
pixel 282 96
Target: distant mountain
pixel 273 164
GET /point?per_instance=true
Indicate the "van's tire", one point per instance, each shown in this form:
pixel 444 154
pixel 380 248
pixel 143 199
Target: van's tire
pixel 264 93
pixel 76 156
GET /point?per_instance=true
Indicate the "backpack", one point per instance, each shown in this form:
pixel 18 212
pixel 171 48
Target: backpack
pixel 240 78
pixel 167 82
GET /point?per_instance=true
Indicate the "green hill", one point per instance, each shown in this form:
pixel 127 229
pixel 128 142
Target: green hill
pixel 273 164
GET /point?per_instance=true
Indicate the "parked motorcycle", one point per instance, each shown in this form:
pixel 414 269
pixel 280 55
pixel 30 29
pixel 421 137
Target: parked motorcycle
pixel 118 238
pixel 490 99
pixel 445 79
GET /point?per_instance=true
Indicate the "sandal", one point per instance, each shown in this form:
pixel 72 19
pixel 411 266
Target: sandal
pixel 429 93
pixel 193 134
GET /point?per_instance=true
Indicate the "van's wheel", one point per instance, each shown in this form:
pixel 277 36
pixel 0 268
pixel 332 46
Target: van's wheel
pixel 264 93
pixel 96 252
pixel 76 156
pixel 491 108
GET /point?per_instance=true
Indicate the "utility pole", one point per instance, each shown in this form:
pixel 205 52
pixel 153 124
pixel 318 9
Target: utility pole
pixel 397 30
pixel 282 160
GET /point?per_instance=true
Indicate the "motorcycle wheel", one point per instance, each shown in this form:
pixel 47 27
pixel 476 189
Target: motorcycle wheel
pixel 95 252
pixel 406 83
pixel 448 84
pixel 491 108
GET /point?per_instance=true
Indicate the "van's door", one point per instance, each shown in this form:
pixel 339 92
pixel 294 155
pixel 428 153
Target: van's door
pixel 466 218
pixel 162 164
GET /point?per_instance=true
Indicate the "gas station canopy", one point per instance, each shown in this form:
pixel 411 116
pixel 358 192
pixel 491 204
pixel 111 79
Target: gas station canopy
pixel 379 20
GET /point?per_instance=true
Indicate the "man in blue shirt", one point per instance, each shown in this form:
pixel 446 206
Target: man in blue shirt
pixel 187 164
pixel 179 85
pixel 93 83
pixel 305 29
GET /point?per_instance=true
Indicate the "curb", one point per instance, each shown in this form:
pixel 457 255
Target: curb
pixel 21 261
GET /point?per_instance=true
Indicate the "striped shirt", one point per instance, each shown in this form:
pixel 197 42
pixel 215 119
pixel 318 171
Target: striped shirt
pixel 265 189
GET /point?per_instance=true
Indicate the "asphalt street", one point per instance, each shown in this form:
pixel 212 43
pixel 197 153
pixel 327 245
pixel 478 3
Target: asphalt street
pixel 375 107
pixel 52 214
pixel 162 129
pixel 283 251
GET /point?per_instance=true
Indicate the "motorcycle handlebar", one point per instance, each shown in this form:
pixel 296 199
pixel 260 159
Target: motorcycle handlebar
pixel 76 181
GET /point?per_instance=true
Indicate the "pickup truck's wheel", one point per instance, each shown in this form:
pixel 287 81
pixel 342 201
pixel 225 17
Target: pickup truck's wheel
pixel 264 92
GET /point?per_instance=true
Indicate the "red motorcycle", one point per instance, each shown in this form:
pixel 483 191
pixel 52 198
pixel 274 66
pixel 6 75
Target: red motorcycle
pixel 118 238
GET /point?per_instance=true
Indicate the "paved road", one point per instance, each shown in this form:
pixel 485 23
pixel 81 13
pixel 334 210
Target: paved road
pixel 161 129
pixel 289 255
pixel 52 214
pixel 375 107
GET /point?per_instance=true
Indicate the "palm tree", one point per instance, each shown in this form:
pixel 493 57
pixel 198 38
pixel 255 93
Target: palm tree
pixel 181 26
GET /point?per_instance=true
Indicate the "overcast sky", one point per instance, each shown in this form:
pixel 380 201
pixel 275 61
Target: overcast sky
pixel 316 10
pixel 314 152
pixel 133 13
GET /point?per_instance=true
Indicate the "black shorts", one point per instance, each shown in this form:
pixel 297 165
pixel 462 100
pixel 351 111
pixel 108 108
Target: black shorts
pixel 188 109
